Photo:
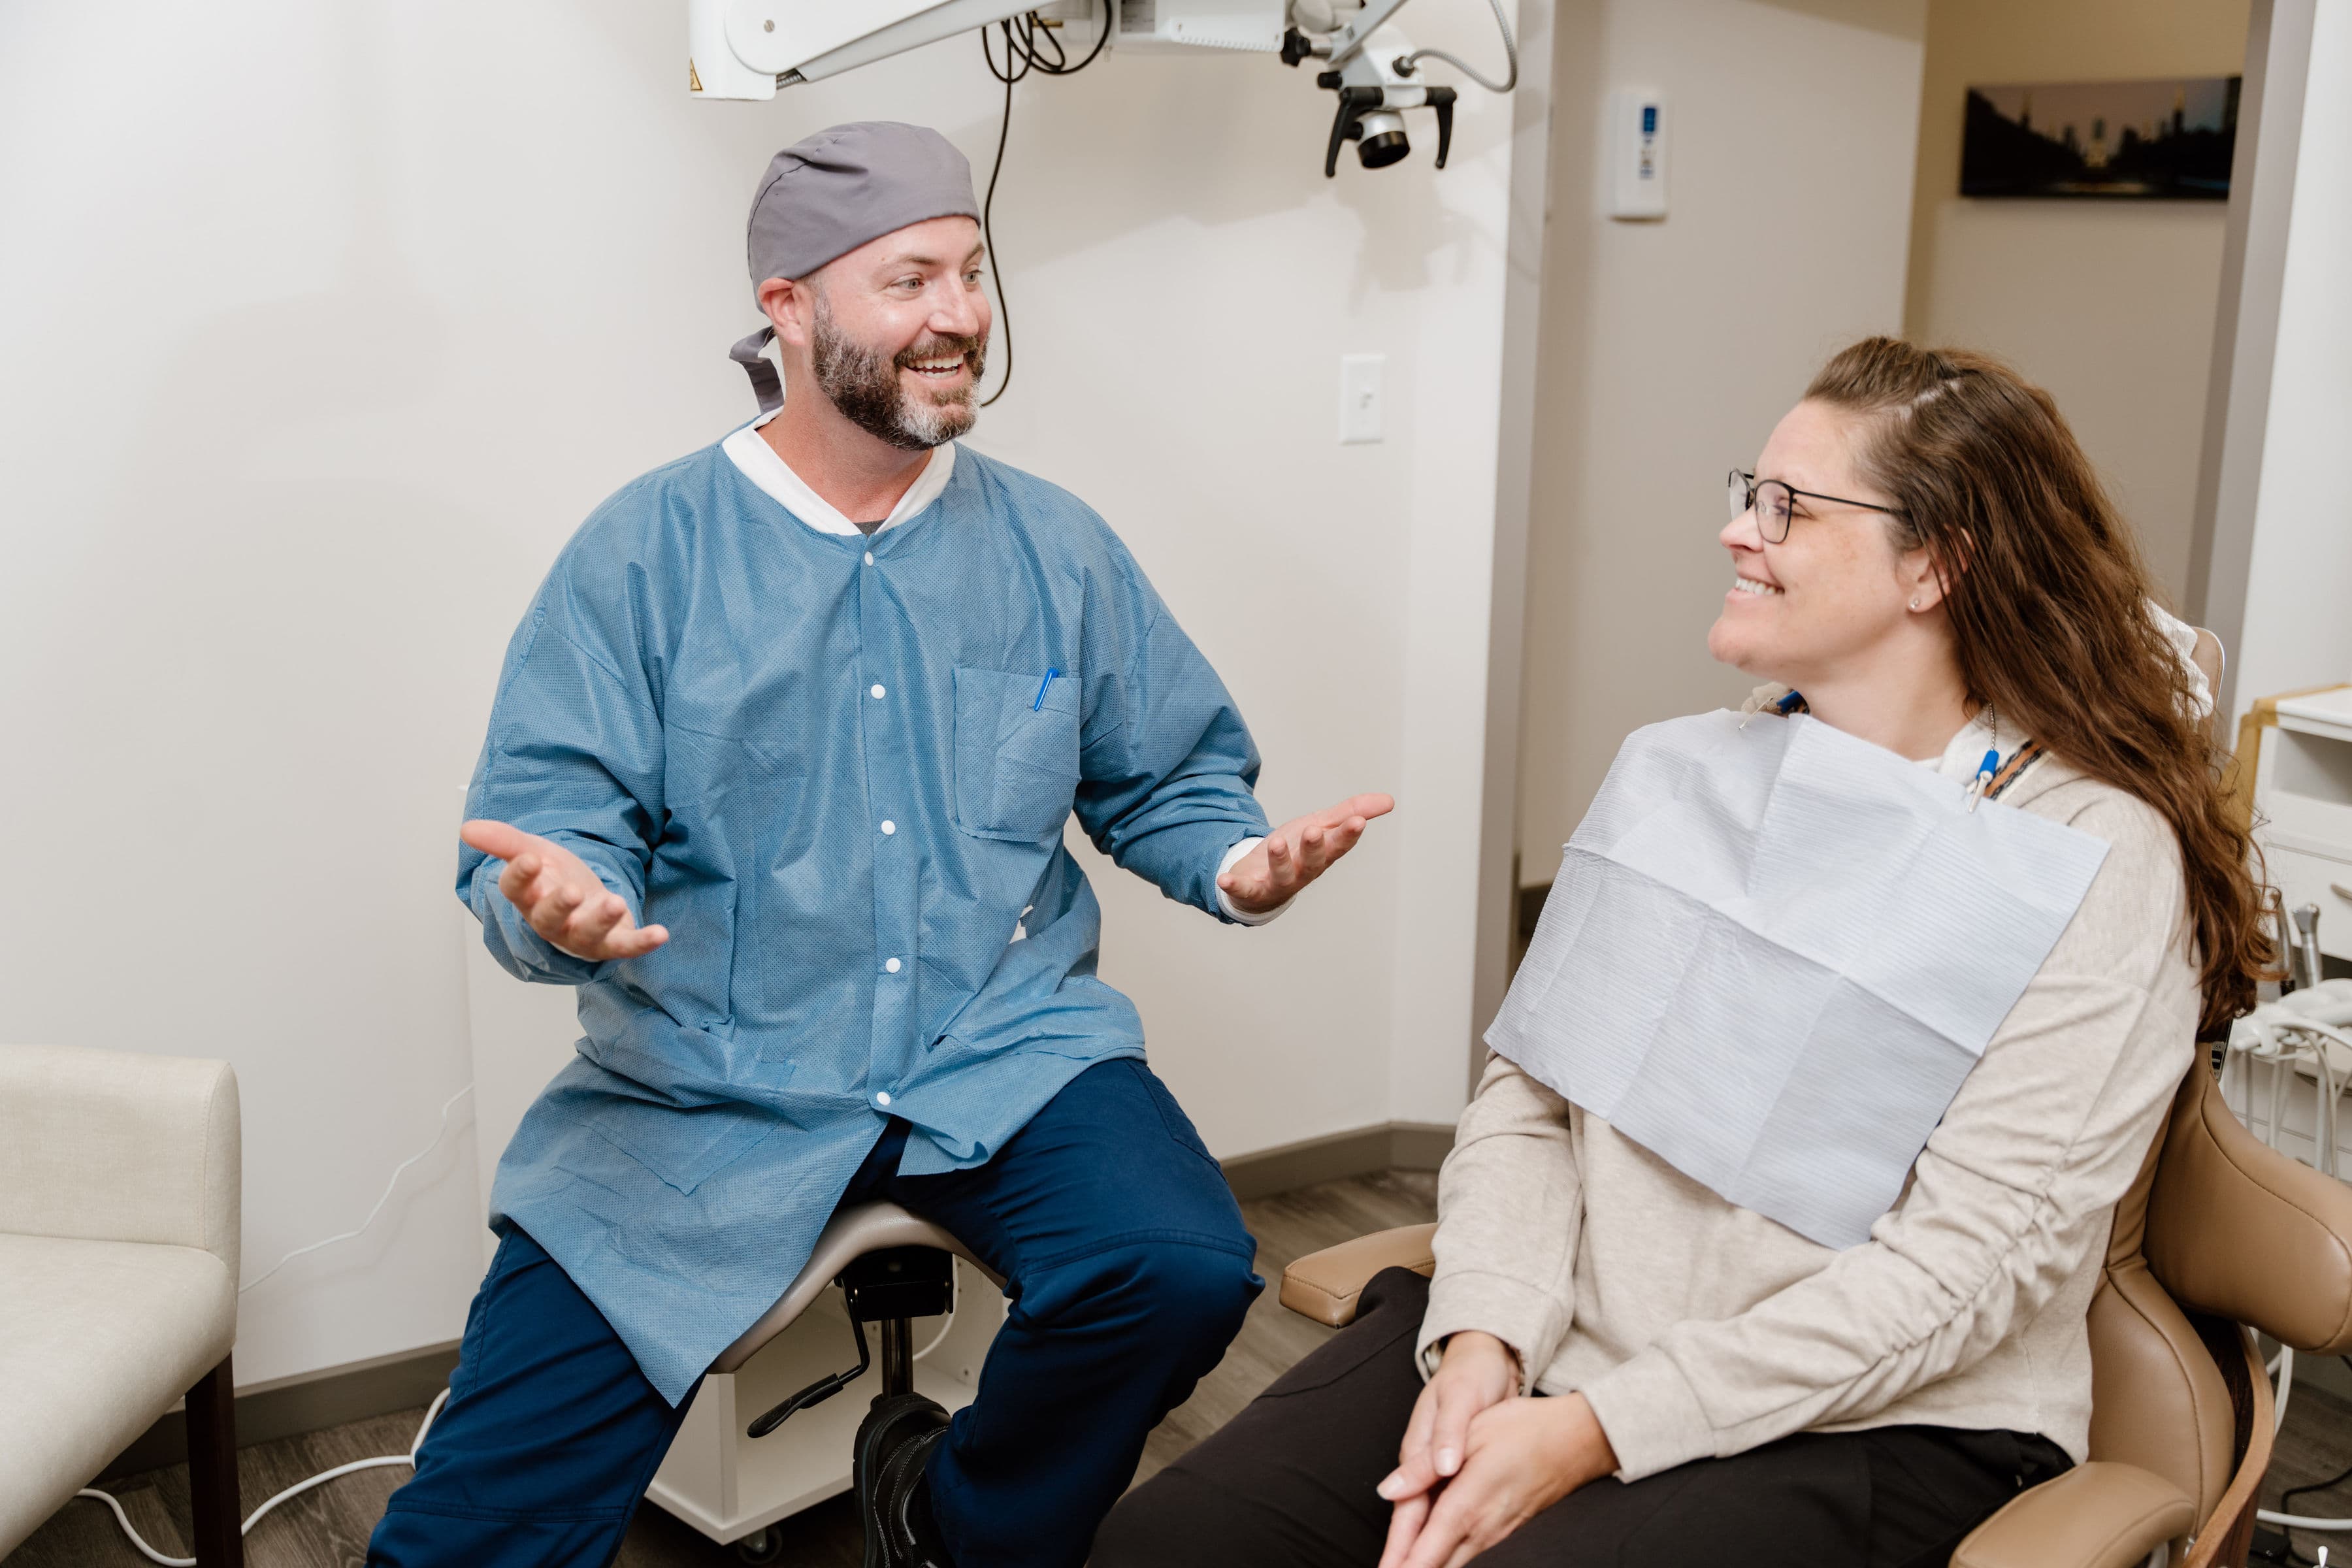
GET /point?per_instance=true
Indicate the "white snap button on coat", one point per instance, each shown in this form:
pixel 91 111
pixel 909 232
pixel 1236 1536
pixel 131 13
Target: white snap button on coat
pixel 888 826
pixel 892 966
pixel 883 1098
pixel 876 691
pixel 869 558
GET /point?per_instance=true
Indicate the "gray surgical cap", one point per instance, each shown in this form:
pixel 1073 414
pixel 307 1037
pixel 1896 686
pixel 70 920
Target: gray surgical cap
pixel 825 197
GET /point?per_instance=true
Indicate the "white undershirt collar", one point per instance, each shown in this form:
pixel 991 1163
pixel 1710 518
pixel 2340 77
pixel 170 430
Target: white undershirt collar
pixel 759 463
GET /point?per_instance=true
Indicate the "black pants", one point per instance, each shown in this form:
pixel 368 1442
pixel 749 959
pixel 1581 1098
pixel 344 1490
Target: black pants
pixel 1289 1481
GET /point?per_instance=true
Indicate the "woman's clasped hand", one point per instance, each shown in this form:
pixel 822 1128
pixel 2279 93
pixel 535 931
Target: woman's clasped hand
pixel 1479 1459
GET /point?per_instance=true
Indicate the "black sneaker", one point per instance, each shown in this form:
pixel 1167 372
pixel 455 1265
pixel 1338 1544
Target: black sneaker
pixel 894 1500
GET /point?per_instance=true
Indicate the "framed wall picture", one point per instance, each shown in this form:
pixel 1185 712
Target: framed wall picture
pixel 2168 140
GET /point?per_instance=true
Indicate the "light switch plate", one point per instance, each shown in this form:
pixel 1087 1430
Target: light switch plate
pixel 1360 397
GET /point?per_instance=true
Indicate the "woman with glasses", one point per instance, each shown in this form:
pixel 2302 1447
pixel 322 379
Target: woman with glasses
pixel 1615 1365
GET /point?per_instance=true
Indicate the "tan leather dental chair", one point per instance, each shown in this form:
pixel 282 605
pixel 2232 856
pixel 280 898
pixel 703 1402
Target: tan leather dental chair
pixel 2220 1236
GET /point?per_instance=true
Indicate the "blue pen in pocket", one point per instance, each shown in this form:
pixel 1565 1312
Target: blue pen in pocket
pixel 1039 705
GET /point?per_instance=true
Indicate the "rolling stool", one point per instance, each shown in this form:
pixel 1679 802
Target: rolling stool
pixel 892 1269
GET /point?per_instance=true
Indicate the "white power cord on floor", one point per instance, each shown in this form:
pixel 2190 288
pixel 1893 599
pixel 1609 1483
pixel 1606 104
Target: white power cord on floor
pixel 296 1489
pixel 409 1459
pixel 2297 1521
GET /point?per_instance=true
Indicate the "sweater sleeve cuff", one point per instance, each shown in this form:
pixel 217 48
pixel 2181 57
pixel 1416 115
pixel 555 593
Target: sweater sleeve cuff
pixel 1515 1313
pixel 1651 1414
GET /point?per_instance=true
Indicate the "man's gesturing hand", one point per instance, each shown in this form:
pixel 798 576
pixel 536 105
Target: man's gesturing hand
pixel 1298 852
pixel 562 900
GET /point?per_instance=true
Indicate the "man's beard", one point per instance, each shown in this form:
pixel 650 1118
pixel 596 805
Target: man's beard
pixel 865 386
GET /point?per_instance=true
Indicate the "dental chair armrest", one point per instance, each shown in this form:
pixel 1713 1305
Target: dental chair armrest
pixel 2099 1515
pixel 1324 1284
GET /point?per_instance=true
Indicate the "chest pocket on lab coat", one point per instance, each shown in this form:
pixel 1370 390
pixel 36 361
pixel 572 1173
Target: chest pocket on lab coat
pixel 1017 753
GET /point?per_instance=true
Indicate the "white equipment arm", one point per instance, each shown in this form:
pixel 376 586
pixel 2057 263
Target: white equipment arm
pixel 748 49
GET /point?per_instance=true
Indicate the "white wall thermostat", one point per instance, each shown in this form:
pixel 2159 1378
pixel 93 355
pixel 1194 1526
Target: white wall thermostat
pixel 1637 154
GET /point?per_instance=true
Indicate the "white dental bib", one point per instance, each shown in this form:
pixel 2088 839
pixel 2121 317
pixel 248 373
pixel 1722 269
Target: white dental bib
pixel 1772 953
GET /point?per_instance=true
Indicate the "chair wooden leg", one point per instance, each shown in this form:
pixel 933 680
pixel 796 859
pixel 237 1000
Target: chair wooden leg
pixel 212 1470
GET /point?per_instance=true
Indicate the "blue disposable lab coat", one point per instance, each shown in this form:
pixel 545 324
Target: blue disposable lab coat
pixel 837 769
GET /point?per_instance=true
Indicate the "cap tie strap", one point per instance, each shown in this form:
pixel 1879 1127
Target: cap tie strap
pixel 766 385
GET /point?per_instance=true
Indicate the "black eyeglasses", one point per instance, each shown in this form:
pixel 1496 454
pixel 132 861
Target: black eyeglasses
pixel 1771 499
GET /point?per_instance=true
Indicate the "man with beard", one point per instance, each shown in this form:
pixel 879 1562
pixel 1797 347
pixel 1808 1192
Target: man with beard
pixel 782 791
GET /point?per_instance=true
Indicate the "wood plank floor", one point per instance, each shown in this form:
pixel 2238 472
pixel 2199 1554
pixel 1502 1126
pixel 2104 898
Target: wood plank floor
pixel 329 1528
pixel 2316 1444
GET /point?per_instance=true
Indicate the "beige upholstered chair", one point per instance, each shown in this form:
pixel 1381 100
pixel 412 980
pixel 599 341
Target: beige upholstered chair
pixel 2220 1236
pixel 119 1205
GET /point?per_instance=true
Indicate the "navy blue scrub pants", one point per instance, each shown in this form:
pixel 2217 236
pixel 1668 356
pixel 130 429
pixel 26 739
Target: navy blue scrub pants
pixel 1128 1268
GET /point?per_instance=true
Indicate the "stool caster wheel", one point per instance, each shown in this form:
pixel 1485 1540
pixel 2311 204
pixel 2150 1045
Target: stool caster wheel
pixel 766 1546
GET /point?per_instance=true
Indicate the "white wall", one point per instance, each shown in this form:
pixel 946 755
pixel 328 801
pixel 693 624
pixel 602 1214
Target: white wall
pixel 2298 600
pixel 1671 348
pixel 2108 304
pixel 323 328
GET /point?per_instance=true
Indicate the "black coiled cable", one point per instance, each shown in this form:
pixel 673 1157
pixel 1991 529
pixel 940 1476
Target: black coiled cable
pixel 1029 45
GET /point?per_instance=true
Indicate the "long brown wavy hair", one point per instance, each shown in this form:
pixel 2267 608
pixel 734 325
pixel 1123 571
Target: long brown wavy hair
pixel 2047 596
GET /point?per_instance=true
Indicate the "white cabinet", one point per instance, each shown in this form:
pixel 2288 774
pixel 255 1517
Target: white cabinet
pixel 2303 804
pixel 2302 821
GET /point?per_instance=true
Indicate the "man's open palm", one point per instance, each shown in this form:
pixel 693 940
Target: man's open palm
pixel 1298 851
pixel 561 899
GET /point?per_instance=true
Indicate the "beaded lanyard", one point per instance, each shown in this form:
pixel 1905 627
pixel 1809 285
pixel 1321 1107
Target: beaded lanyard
pixel 2018 761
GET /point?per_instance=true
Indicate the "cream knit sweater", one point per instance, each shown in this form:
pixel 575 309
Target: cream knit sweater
pixel 1698 1329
